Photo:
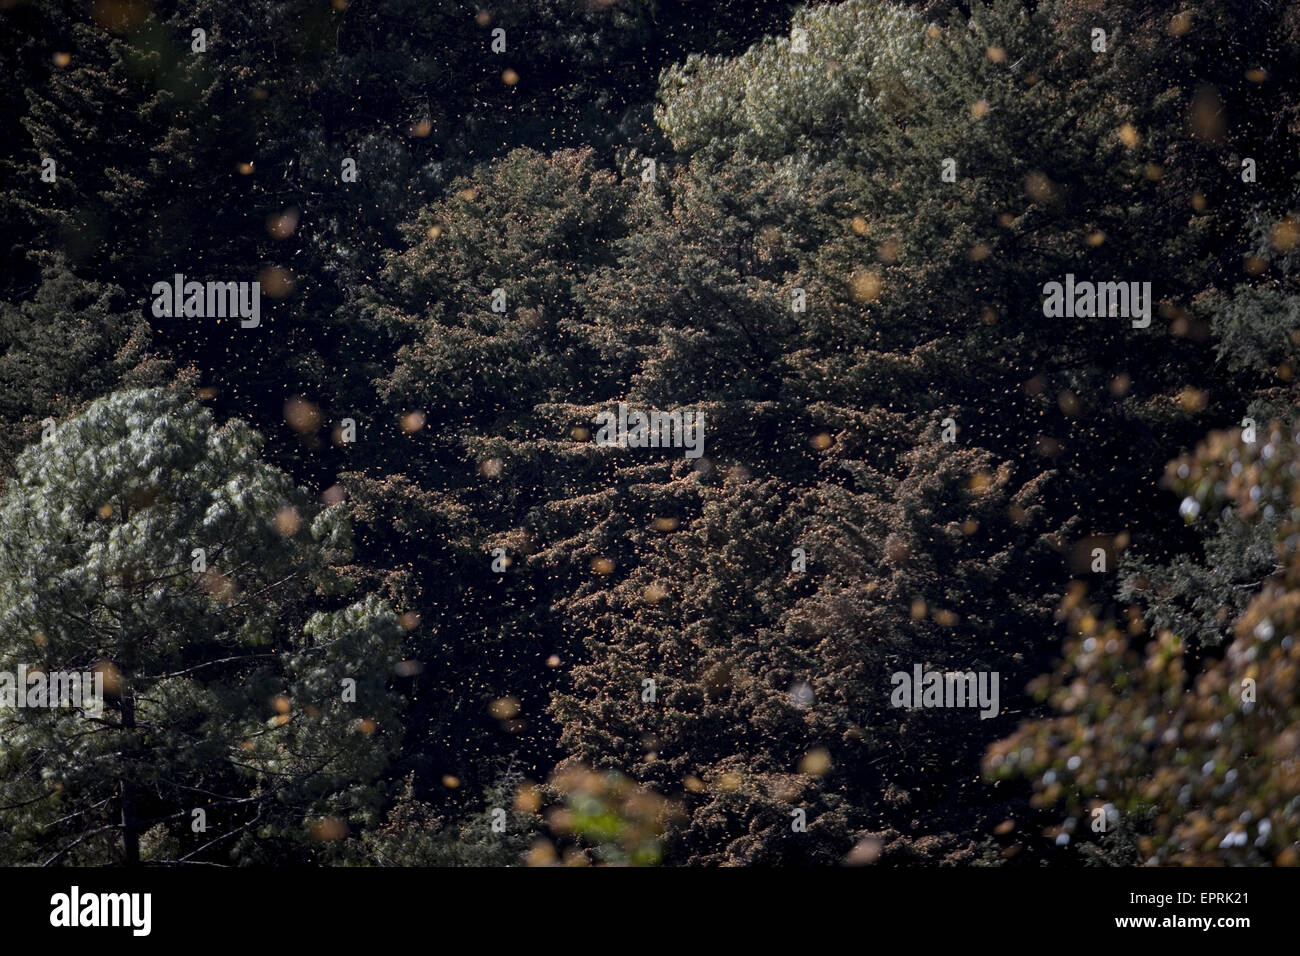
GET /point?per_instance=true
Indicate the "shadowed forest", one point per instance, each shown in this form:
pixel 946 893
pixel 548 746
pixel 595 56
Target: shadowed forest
pixel 650 432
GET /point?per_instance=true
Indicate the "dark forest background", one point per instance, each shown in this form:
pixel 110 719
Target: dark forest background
pixel 428 602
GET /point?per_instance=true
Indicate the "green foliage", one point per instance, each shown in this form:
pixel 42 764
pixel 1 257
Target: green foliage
pixel 818 171
pixel 1199 752
pixel 862 69
pixel 863 332
pixel 223 683
pixel 498 833
pixel 620 821
pixel 1257 330
pixel 70 342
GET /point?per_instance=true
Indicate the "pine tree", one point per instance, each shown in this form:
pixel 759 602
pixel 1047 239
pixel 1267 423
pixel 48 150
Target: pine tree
pixel 834 243
pixel 246 708
pixel 465 451
pixel 70 342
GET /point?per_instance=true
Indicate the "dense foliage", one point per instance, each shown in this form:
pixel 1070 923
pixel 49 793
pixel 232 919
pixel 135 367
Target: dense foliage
pixel 829 230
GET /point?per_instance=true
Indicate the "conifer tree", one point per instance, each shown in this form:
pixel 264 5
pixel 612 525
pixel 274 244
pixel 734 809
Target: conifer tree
pixel 832 231
pixel 453 484
pixel 70 342
pixel 246 711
